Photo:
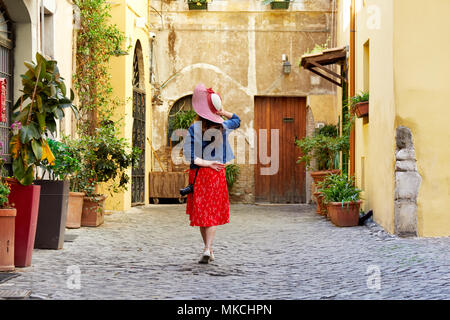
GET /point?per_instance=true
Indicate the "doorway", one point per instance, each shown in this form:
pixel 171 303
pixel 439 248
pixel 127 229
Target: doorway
pixel 288 115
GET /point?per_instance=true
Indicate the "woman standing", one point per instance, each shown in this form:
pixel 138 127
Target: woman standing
pixel 207 149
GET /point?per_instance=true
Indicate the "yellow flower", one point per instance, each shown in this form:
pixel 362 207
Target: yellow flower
pixel 47 153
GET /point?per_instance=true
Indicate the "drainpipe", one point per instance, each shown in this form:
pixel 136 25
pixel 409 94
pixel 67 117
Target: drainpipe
pixel 42 28
pixel 352 82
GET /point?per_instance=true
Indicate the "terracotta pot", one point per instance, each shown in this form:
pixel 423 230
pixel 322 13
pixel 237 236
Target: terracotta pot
pixel 362 109
pixel 93 211
pixel 344 215
pixel 51 224
pixel 7 226
pixel 320 175
pixel 26 201
pixel 74 210
pixel 321 208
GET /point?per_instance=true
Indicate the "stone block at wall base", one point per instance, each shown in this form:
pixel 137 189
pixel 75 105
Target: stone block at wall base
pixel 405 218
pixel 407 185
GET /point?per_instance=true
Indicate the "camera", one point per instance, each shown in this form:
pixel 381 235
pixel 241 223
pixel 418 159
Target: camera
pixel 187 190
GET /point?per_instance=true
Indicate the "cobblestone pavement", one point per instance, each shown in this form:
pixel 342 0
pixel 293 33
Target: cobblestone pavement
pixel 266 252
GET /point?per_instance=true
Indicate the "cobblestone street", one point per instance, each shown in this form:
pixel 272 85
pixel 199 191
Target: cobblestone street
pixel 266 252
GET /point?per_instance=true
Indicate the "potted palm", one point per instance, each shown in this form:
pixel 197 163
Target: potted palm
pixel 35 115
pixel 342 199
pixel 7 223
pixel 105 159
pixel 360 104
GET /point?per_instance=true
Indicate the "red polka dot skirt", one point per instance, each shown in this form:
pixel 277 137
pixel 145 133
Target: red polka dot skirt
pixel 208 205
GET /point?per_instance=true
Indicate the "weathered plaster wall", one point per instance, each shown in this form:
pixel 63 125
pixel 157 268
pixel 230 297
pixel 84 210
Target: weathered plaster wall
pixel 235 47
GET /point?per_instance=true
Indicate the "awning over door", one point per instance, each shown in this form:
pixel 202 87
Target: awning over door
pixel 316 63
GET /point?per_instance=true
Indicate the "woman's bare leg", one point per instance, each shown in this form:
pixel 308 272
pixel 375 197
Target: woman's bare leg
pixel 210 233
pixel 203 232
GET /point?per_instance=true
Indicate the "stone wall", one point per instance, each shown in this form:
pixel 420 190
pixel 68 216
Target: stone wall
pixel 407 183
pixel 236 48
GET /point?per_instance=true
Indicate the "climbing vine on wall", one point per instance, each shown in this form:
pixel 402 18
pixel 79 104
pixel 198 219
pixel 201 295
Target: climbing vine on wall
pixel 97 41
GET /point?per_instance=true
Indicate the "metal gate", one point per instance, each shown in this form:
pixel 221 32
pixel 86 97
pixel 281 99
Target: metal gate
pixel 6 71
pixel 138 172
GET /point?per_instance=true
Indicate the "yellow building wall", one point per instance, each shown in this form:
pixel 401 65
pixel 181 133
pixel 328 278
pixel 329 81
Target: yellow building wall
pixel 422 67
pixel 374 139
pixel 406 75
pixel 125 14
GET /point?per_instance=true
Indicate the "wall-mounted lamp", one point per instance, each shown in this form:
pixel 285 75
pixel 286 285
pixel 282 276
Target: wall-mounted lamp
pixel 286 64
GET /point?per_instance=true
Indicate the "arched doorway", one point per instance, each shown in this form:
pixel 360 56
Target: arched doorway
pixel 6 74
pixel 138 172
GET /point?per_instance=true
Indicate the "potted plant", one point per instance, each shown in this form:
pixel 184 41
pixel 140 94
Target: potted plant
pixel 278 4
pixel 105 159
pixel 34 117
pixel 7 224
pixel 198 4
pixel 231 174
pixel 324 147
pixel 360 104
pixel 342 199
pixel 54 202
pixel 67 166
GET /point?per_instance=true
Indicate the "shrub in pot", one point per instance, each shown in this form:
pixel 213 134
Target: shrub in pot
pixel 35 115
pixel 324 147
pixel 342 199
pixel 359 104
pixel 7 225
pixel 105 159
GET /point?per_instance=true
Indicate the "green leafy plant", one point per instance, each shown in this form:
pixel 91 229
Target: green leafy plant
pixel 324 146
pixel 199 2
pixel 339 188
pixel 318 48
pixel 5 188
pixel 182 119
pixel 270 1
pixel 105 159
pixel 35 115
pixel 97 41
pixel 361 97
pixel 232 173
pixel 67 161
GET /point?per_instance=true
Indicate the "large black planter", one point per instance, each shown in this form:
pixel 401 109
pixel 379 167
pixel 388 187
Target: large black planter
pixel 52 214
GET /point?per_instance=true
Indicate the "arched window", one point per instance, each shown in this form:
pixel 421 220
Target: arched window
pixel 138 139
pixel 183 104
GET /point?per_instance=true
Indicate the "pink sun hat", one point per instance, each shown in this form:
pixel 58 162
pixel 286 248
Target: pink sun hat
pixel 203 104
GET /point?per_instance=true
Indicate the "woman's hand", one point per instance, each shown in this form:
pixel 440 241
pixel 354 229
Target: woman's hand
pixel 224 113
pixel 215 165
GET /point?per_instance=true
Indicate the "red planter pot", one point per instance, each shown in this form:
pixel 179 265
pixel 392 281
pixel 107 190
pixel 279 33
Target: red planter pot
pixel 7 223
pixel 26 201
pixel 344 215
pixel 362 109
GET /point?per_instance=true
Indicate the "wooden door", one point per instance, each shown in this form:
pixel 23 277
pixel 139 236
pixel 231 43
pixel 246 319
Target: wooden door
pixel 288 115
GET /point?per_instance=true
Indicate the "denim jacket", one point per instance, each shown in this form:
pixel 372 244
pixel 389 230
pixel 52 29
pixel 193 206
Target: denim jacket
pixel 213 145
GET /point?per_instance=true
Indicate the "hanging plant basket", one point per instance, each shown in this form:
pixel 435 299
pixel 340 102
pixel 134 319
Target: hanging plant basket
pixel 197 5
pixel 362 109
pixel 280 4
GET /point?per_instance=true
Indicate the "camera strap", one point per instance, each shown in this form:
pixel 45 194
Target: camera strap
pixel 195 175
